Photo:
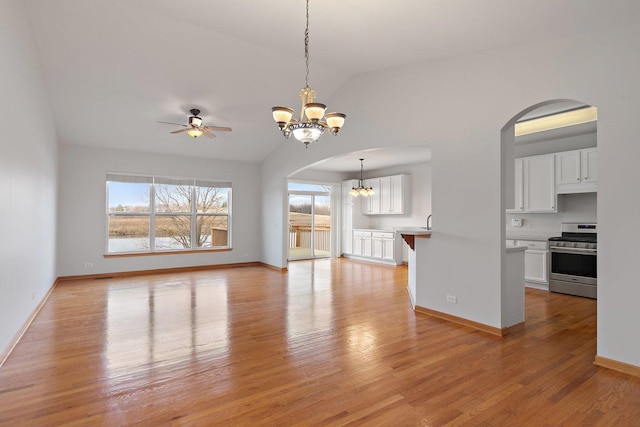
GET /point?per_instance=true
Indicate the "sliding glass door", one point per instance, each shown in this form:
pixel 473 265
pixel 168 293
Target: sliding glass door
pixel 309 224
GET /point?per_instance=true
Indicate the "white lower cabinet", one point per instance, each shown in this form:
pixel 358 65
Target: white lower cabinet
pixel 379 246
pixel 536 260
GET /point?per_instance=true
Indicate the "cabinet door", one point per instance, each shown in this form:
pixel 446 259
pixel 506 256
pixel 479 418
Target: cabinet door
pixel 357 245
pixel 539 184
pixel 535 266
pixel 590 165
pixel 388 246
pixel 568 168
pixel 386 195
pixel 377 251
pixel 397 194
pixel 366 247
pixel 371 204
pixel 518 183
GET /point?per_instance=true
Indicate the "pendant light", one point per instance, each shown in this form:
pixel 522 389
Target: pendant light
pixel 311 125
pixel 361 190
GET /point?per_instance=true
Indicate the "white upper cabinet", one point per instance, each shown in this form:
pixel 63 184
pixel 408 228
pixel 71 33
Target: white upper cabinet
pixel 589 159
pixel 518 186
pixel 577 171
pixel 388 197
pixel 371 204
pixel 539 184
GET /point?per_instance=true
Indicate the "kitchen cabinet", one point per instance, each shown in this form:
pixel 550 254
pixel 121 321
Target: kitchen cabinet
pixel 383 245
pixel 539 189
pixel 577 171
pixel 392 194
pixel 536 262
pixel 371 204
pixel 377 245
pixel 518 186
pixel 362 243
pixel 347 217
pixel 388 197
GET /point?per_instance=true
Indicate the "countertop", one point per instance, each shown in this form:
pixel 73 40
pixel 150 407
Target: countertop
pixel 417 231
pixel 541 236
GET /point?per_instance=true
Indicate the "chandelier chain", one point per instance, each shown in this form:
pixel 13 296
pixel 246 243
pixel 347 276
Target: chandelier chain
pixel 306 46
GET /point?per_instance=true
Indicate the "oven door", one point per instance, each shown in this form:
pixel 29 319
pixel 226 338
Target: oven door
pixel 574 265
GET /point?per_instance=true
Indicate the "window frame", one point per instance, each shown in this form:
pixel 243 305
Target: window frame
pixel 152 213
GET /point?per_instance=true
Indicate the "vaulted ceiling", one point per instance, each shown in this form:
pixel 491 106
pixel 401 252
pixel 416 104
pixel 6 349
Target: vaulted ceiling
pixel 114 68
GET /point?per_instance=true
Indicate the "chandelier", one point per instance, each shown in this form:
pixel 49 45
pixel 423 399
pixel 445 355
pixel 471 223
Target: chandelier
pixel 361 190
pixel 311 125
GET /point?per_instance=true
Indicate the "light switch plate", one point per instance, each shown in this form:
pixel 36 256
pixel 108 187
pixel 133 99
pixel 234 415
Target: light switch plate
pixel 516 222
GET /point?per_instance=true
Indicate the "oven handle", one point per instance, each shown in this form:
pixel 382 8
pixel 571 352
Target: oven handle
pixel 574 251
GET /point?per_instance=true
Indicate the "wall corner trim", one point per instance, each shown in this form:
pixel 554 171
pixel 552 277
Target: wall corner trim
pixel 465 322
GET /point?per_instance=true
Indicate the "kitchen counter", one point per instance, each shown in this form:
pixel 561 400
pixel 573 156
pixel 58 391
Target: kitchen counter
pixel 409 234
pixel 541 236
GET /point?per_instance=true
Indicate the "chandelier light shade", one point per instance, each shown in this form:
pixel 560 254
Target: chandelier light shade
pixel 313 120
pixel 361 190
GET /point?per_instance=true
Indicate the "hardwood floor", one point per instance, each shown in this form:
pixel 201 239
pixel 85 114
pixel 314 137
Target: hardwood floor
pixel 331 342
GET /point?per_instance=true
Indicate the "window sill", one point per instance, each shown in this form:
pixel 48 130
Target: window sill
pixel 192 251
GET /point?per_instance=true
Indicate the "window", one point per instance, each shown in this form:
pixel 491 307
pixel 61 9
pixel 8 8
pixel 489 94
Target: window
pixel 154 214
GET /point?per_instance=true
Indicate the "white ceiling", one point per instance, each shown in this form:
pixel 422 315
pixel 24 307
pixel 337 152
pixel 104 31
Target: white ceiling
pixel 116 67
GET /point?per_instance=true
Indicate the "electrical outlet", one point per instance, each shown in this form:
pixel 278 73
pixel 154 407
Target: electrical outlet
pixel 245 254
pixel 516 222
pixel 452 299
pixel 88 265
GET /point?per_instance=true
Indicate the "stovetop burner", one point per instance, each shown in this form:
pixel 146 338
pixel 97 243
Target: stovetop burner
pixel 571 238
pixel 575 235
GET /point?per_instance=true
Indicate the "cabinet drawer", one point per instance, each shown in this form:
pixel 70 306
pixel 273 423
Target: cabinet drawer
pixel 533 244
pixel 361 234
pixel 382 235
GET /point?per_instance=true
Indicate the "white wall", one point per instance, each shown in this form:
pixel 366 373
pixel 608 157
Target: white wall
pixel 82 218
pixel 470 99
pixel 28 166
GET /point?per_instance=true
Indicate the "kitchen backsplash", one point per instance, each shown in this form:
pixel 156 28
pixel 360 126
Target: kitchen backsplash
pixel 580 207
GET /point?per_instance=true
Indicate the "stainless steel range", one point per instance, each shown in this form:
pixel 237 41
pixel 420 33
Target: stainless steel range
pixel 574 260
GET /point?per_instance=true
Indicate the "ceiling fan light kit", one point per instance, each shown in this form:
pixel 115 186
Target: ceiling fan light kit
pixel 310 127
pixel 195 128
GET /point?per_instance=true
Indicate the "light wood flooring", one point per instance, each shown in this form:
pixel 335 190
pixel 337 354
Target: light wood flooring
pixel 330 342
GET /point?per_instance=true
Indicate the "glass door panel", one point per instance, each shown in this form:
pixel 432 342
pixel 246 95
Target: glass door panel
pixel 321 226
pixel 309 226
pixel 300 226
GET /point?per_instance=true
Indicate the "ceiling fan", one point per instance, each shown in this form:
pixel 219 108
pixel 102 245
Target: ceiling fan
pixel 195 127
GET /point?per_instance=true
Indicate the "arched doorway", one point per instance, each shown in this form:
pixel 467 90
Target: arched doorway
pixel 559 138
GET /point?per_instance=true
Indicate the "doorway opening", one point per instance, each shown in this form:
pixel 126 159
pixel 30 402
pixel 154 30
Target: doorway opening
pixel 309 221
pixel 549 179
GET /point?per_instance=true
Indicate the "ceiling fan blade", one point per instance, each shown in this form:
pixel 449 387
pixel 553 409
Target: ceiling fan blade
pixel 218 128
pixel 207 132
pixel 176 124
pixel 179 130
